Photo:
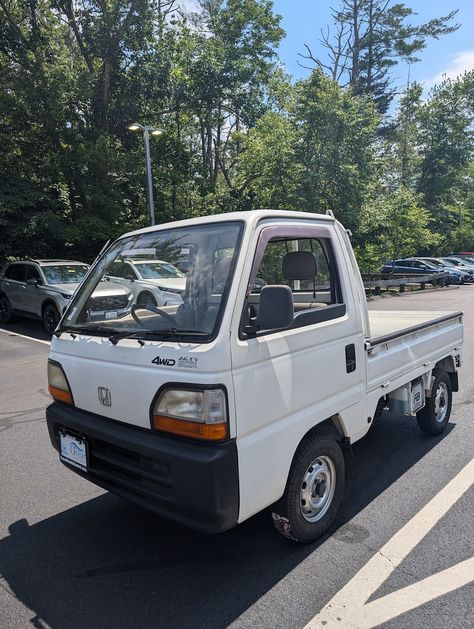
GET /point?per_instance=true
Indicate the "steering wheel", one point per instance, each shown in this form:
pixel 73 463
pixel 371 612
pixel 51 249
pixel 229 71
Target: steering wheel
pixel 151 308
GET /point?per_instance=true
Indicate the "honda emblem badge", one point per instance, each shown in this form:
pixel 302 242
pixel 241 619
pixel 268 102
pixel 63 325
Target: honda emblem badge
pixel 105 397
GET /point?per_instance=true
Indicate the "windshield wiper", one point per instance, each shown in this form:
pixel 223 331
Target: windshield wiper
pixel 85 329
pixel 169 333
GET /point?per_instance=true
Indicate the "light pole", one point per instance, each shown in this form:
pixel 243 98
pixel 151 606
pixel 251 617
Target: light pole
pixel 147 131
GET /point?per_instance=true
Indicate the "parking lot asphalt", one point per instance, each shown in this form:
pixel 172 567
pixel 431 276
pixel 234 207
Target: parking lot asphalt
pixel 73 556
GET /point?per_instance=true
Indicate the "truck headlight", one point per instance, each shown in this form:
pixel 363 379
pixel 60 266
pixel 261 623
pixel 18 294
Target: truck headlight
pixel 195 413
pixel 58 386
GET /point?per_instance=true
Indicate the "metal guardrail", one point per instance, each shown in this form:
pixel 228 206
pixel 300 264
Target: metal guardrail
pixel 377 281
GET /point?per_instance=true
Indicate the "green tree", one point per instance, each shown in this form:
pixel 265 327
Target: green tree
pixel 335 149
pixel 446 147
pixel 395 225
pixel 369 38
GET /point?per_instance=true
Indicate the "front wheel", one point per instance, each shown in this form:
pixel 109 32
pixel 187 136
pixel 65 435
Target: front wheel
pixel 145 298
pixel 434 417
pixel 51 318
pixel 314 490
pixel 5 310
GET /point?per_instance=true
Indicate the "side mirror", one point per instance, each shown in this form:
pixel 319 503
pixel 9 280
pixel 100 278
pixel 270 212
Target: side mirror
pixel 32 281
pixel 276 310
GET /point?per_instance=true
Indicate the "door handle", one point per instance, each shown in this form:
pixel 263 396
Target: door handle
pixel 350 358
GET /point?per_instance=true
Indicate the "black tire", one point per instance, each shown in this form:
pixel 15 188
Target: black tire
pixel 5 310
pixel 288 513
pixel 434 417
pixel 145 297
pixel 51 318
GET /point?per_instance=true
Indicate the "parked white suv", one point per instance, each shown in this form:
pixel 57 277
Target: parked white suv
pixel 43 288
pixel 151 281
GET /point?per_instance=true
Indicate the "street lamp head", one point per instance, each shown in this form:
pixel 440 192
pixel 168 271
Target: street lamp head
pixel 156 132
pixel 135 126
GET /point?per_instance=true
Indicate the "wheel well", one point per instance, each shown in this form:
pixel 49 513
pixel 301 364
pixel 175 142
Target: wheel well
pixel 330 427
pixel 47 302
pixel 448 365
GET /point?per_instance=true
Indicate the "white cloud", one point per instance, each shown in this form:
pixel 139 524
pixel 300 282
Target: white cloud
pixel 461 62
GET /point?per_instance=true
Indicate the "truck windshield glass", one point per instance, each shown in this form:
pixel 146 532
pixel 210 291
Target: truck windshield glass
pixel 181 293
pixel 65 273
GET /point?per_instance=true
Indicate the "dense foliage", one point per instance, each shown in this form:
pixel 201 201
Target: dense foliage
pixel 238 133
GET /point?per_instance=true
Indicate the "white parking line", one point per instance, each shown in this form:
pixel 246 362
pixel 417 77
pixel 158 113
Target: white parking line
pixel 23 336
pixel 349 607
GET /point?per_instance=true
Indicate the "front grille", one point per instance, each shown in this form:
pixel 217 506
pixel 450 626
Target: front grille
pixel 114 302
pixel 142 475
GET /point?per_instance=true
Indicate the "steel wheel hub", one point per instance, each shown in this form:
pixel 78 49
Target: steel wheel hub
pixel 317 488
pixel 441 402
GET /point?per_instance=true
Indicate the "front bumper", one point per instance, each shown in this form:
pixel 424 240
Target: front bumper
pixel 195 484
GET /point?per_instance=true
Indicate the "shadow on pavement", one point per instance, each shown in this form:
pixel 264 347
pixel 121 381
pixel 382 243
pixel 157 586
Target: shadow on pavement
pixel 28 327
pixel 108 563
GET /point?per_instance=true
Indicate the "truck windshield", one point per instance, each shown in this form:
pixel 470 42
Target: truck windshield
pixel 203 258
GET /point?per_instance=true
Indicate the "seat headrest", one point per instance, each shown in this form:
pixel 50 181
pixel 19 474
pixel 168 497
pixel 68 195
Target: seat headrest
pixel 299 265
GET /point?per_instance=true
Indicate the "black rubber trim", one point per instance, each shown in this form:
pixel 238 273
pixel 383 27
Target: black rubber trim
pixel 414 328
pixel 195 484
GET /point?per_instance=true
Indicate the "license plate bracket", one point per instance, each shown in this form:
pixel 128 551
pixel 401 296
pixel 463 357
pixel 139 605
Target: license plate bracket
pixel 73 450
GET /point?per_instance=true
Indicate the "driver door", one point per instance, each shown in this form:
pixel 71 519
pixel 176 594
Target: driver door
pixel 287 381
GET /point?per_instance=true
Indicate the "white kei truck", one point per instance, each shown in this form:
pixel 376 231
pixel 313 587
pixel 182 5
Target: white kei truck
pixel 249 393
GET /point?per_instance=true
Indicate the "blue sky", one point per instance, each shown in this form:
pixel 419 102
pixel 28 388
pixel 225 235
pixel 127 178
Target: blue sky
pixel 450 55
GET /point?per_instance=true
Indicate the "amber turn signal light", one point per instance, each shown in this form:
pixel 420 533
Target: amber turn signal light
pixel 58 386
pixel 186 428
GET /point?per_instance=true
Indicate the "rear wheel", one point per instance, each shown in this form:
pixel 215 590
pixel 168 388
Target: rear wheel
pixel 314 490
pixel 5 310
pixel 434 417
pixel 51 318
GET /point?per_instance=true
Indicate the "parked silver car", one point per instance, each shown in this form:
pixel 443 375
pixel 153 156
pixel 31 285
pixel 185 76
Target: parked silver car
pixel 151 281
pixel 43 288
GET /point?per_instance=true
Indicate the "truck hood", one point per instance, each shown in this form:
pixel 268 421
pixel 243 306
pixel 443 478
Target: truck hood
pixel 133 374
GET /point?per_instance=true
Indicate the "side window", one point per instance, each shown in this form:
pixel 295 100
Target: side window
pixel 32 273
pixel 308 267
pixel 16 272
pixel 10 271
pixel 120 269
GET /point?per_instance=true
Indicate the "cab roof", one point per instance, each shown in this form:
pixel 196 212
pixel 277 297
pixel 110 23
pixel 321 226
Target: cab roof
pixel 249 217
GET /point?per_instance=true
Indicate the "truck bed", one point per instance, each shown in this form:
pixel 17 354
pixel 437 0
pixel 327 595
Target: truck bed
pixel 386 326
pixel 404 345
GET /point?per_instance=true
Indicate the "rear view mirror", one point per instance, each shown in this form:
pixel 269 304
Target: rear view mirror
pixel 33 281
pixel 276 310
